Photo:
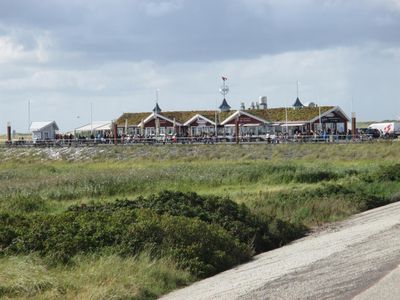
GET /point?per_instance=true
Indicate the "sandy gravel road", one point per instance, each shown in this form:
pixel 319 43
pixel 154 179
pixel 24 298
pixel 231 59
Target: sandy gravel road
pixel 358 257
pixel 388 288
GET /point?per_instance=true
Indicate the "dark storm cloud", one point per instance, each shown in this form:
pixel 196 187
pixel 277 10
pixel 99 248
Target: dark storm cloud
pixel 65 54
pixel 200 30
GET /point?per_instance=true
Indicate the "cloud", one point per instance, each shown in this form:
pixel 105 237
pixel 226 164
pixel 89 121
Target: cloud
pixel 66 54
pixel 161 8
pixel 9 50
pixel 178 30
pixel 328 76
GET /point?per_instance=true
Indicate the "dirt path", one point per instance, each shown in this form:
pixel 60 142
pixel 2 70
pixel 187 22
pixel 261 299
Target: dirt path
pixel 345 260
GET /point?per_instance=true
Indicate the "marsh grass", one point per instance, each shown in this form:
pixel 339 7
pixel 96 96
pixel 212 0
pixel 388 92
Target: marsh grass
pixel 301 184
pixel 47 188
pixel 90 277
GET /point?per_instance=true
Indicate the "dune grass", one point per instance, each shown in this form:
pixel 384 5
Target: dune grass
pixel 303 184
pixel 89 277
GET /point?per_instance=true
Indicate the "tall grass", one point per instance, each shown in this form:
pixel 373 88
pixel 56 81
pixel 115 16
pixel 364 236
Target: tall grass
pixel 89 277
pixel 300 184
pixel 48 187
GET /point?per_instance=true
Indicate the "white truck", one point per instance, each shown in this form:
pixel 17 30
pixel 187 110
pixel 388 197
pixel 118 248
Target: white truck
pixel 387 128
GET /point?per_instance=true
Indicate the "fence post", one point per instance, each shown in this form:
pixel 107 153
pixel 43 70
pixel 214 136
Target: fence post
pixel 115 130
pixel 353 125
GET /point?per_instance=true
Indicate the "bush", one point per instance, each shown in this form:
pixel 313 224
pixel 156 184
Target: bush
pixel 388 173
pixel 235 218
pixel 312 176
pixel 204 235
pixel 204 247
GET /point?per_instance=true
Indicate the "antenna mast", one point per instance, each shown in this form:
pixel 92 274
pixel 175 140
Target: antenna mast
pixel 298 89
pixel 29 115
pixel 157 90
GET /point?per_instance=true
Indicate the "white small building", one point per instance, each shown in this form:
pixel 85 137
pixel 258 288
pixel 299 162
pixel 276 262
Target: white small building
pixel 43 130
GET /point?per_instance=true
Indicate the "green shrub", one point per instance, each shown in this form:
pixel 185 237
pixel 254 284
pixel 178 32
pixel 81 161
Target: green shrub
pixel 235 218
pixel 312 176
pixel 388 173
pixel 125 228
pixel 204 249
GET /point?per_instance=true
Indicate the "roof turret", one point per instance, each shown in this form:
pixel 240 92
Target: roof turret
pixel 225 106
pixel 297 103
pixel 157 109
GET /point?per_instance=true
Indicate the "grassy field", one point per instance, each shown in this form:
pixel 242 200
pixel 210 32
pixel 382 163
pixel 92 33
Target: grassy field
pixel 283 187
pixel 25 136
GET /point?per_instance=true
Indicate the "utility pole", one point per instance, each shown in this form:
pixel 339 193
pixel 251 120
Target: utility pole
pixel 29 115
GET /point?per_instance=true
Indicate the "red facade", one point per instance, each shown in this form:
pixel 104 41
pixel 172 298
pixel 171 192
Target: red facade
pixel 244 120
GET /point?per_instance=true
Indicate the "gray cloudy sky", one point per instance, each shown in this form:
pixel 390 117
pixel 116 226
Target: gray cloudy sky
pixel 64 55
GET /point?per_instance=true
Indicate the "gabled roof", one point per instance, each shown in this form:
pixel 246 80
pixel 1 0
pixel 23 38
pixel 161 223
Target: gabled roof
pixel 199 116
pixel 185 116
pixel 336 109
pixel 96 125
pixel 239 113
pixel 36 126
pixel 134 119
pixel 160 116
pixel 181 117
pixel 274 115
pixel 293 115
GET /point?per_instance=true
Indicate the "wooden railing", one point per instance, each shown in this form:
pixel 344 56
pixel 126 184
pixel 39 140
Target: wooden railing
pixel 272 139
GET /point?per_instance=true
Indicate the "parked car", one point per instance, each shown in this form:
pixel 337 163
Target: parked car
pixel 371 133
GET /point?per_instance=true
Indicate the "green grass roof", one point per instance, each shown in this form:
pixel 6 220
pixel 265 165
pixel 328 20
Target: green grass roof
pixel 133 118
pixel 179 116
pixel 270 114
pixel 279 114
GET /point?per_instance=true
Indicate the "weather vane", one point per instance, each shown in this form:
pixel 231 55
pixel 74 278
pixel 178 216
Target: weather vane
pixel 224 89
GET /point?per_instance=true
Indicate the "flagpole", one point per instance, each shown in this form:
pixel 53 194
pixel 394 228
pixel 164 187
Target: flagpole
pixel 319 112
pixel 156 95
pixel 29 115
pixel 216 108
pixel 286 113
pixel 91 118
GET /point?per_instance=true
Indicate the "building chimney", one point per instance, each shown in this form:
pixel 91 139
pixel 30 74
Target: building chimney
pixel 8 132
pixel 353 124
pixel 263 102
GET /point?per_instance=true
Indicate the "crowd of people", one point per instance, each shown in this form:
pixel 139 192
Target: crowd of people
pixel 106 137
